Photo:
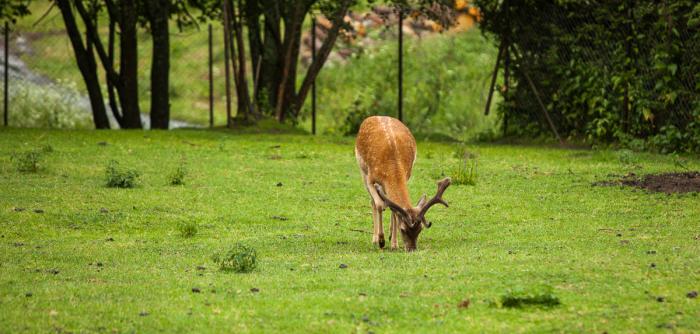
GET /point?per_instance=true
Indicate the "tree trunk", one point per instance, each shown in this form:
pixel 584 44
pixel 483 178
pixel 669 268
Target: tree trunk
pixel 322 56
pixel 87 65
pixel 128 67
pixel 292 29
pixel 271 67
pixel 158 11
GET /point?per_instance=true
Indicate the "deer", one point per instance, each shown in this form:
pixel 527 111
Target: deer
pixel 385 150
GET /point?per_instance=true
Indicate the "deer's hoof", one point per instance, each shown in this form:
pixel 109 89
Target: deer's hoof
pixel 381 243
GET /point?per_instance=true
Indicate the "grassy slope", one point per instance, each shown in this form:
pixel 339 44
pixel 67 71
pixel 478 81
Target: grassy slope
pixel 532 219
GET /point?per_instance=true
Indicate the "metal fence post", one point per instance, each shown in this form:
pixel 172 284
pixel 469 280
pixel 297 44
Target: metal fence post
pixel 313 86
pixel 6 83
pixel 400 64
pixel 227 56
pixel 211 78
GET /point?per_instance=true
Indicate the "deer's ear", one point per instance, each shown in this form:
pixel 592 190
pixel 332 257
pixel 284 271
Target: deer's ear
pixel 421 202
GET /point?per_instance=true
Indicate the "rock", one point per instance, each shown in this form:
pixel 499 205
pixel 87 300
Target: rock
pixel 692 294
pixel 343 266
pixel 464 304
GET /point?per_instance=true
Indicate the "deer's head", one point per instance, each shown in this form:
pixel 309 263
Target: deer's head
pixel 412 220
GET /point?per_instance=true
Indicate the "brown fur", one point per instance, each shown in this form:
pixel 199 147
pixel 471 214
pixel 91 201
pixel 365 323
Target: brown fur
pixel 386 150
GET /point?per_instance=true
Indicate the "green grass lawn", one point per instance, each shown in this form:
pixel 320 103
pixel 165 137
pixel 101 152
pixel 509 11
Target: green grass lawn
pixel 100 259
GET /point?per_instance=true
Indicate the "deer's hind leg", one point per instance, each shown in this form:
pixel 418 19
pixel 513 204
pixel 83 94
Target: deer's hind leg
pixel 377 209
pixel 393 231
pixel 378 233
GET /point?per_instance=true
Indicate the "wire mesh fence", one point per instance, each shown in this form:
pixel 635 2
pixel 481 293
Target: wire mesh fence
pixel 43 73
pixel 445 73
pixel 609 71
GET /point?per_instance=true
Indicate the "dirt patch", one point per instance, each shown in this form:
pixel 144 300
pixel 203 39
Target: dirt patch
pixel 668 183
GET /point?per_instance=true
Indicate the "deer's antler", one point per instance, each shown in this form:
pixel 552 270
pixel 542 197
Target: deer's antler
pixel 442 185
pixel 393 206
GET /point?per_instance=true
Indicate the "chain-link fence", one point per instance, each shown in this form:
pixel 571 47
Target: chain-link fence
pixel 445 73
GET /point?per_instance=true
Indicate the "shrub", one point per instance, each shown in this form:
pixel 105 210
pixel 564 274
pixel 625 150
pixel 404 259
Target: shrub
pixel 605 71
pixel 27 162
pixel 445 85
pixel 118 177
pixel 626 157
pixel 239 259
pixel 58 105
pixel 188 230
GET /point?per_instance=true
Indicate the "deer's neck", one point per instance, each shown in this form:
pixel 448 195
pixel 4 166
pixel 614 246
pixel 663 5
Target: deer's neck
pixel 397 190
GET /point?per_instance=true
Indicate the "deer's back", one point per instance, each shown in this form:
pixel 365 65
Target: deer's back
pixel 386 147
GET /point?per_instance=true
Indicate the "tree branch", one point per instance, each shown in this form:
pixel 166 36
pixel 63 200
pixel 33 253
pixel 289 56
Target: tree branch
pixel 322 56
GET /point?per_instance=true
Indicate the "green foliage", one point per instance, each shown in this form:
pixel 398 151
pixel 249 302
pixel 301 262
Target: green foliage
pixel 11 10
pixel 465 171
pixel 119 177
pixel 445 84
pixel 627 157
pixel 585 57
pixel 27 162
pixel 47 106
pixel 542 296
pixel 239 259
pixel 188 230
pixel 177 177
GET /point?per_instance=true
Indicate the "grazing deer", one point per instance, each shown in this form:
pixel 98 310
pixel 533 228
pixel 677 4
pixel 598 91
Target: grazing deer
pixel 386 150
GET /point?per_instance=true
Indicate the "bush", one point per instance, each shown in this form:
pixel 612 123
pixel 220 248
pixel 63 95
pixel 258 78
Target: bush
pixel 118 177
pixel 606 71
pixel 27 162
pixel 445 84
pixel 48 106
pixel 188 230
pixel 239 259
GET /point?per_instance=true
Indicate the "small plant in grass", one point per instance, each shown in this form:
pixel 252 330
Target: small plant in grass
pixel 47 148
pixel 177 178
pixel 27 162
pixel 188 230
pixel 535 296
pixel 239 259
pixel 118 177
pixel 466 170
pixel 626 157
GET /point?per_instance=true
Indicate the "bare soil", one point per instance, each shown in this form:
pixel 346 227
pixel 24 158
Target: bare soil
pixel 669 183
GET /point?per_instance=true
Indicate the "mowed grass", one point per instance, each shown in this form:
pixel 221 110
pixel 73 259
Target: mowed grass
pixel 619 260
